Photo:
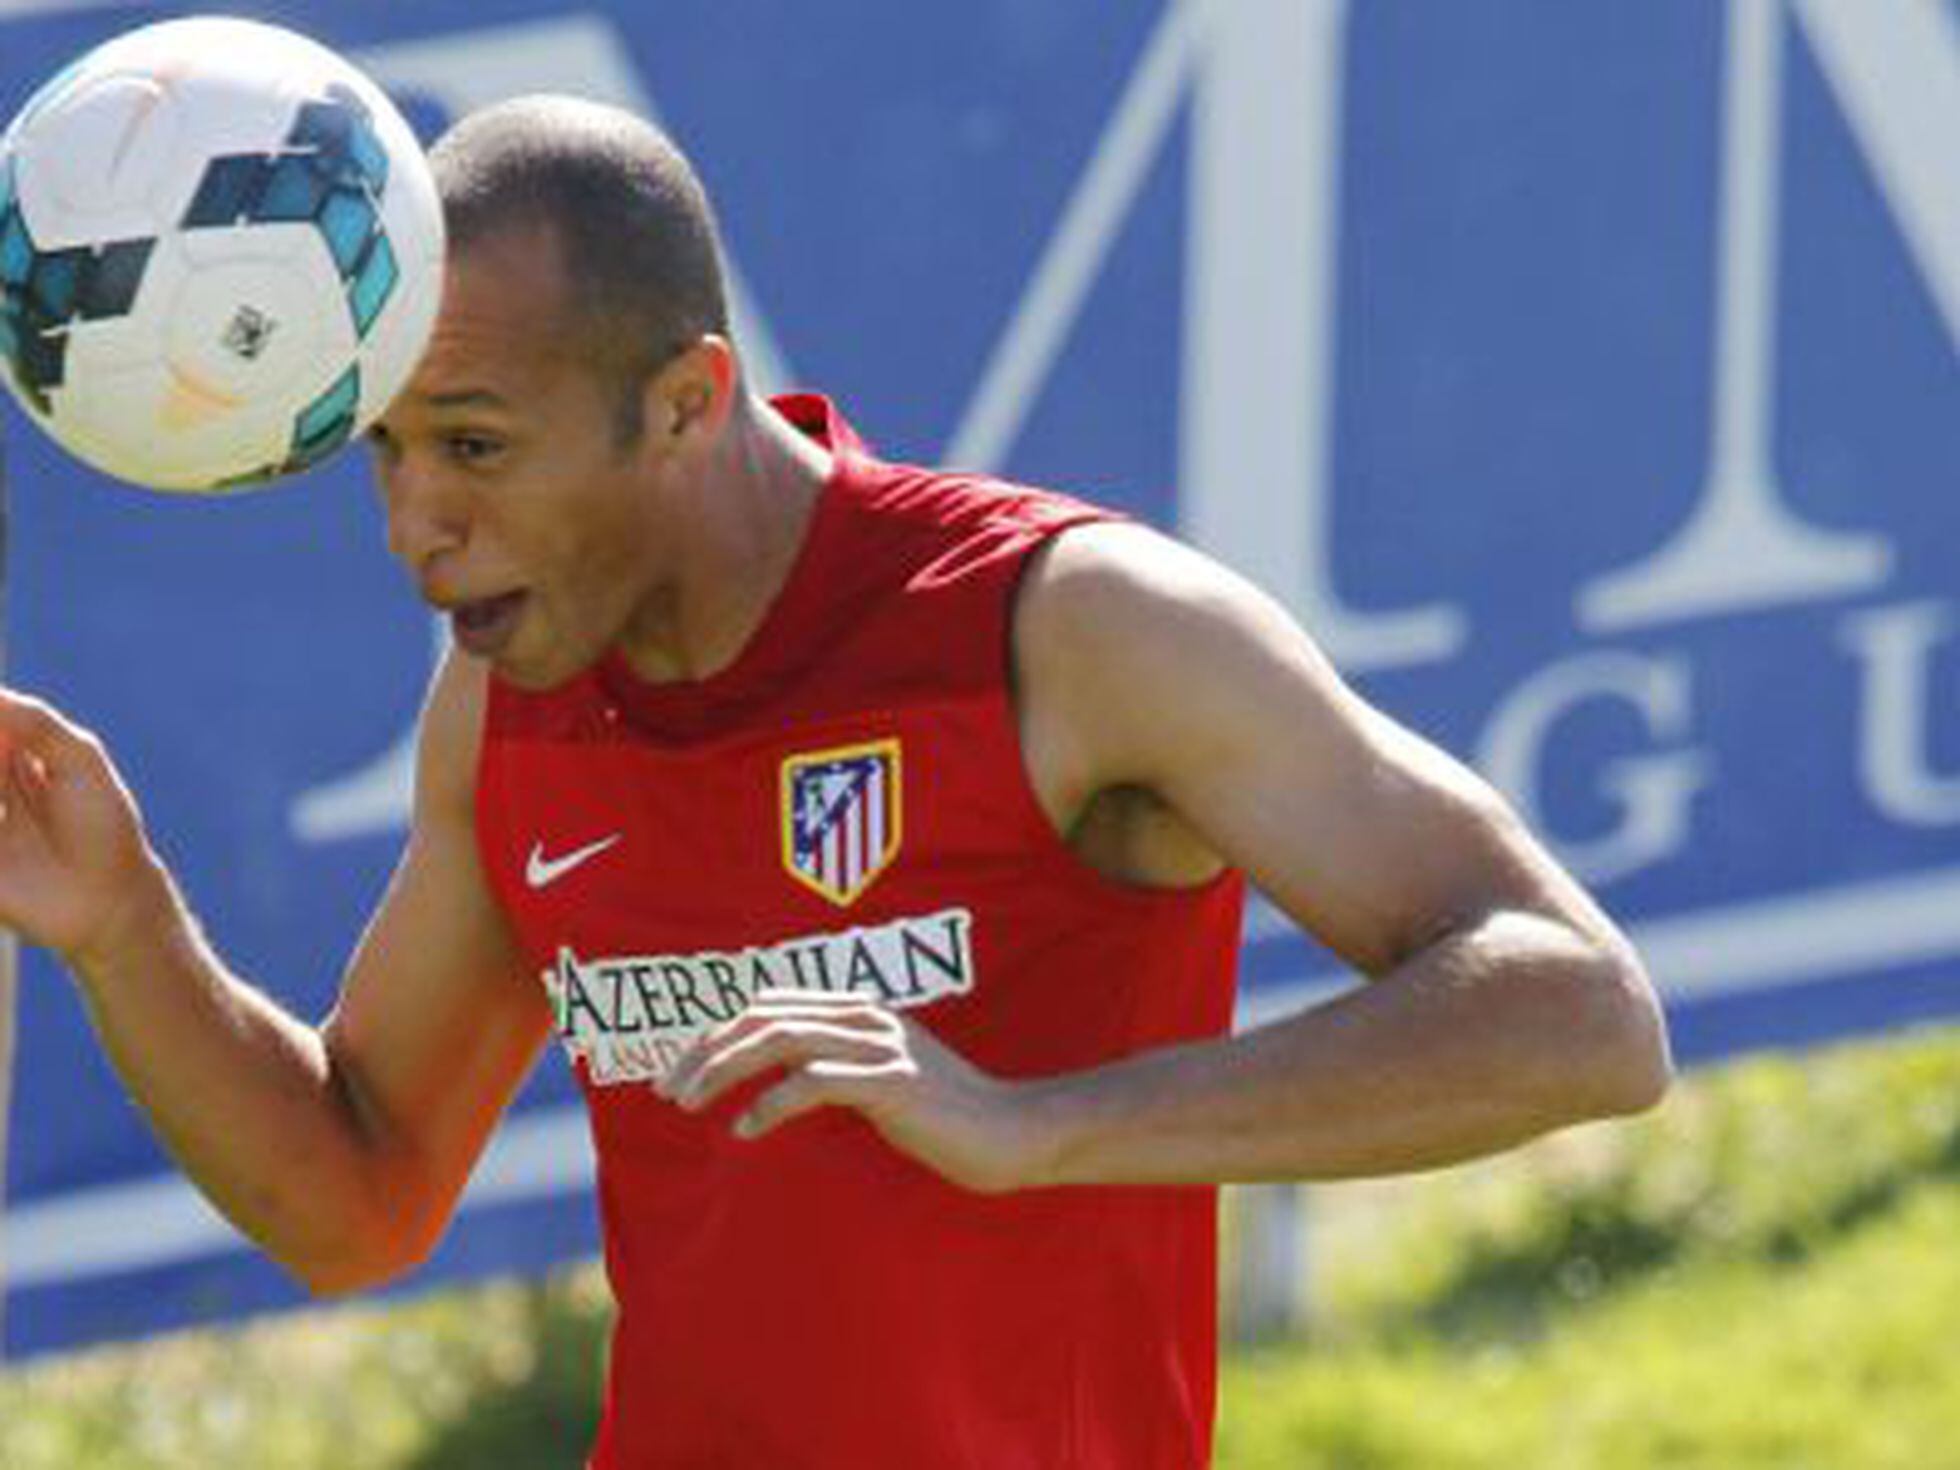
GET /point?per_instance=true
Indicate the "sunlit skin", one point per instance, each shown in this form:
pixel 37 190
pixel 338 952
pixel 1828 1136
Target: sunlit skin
pixel 516 510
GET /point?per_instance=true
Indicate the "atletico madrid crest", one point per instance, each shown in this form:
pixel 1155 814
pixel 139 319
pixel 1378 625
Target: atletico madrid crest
pixel 841 817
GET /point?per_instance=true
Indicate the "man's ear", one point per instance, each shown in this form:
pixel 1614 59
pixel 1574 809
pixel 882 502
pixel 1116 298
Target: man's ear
pixel 688 401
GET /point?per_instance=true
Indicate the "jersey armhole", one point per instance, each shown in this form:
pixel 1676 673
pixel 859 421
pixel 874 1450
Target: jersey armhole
pixel 1006 703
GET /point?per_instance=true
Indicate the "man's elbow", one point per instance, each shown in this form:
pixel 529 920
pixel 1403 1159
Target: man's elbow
pixel 1624 1065
pixel 362 1258
pixel 348 1274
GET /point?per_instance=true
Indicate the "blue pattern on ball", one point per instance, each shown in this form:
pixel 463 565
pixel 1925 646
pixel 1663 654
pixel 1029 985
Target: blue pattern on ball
pixel 42 293
pixel 332 170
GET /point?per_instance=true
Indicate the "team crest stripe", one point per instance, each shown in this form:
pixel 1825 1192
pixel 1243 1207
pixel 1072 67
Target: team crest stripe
pixel 841 819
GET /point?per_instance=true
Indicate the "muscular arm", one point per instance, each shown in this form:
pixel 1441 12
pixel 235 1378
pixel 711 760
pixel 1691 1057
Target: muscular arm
pixel 1503 1003
pixel 1174 719
pixel 339 1149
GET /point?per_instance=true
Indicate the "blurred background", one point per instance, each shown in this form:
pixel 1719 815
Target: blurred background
pixel 1582 374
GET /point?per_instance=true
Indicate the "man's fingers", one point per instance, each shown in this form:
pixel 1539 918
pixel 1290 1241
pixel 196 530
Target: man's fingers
pixel 740 1052
pixel 829 1000
pixel 29 778
pixel 791 1098
pixel 768 1007
pixel 34 732
pixel 815 1085
pixel 24 782
pixel 25 720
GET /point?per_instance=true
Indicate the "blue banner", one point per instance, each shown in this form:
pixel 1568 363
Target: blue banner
pixel 1583 375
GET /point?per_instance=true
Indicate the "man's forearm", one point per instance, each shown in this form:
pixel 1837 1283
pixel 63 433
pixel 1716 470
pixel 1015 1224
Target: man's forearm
pixel 243 1095
pixel 1478 1043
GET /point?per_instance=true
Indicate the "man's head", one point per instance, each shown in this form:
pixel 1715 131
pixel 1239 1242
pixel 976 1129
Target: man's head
pixel 634 230
pixel 577 381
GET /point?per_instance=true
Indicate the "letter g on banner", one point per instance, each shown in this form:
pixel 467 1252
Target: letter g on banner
pixel 1655 793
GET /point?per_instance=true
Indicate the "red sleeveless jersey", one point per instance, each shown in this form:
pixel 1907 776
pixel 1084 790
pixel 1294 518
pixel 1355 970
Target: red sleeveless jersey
pixel 845 807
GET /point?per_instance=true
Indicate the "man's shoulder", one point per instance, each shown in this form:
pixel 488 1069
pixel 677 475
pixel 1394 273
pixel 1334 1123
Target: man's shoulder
pixel 1113 620
pixel 450 736
pixel 1104 575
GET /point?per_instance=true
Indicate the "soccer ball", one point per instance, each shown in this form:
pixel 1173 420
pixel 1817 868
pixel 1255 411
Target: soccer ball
pixel 220 254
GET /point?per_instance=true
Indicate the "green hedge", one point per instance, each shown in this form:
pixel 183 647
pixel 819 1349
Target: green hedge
pixel 1766 1273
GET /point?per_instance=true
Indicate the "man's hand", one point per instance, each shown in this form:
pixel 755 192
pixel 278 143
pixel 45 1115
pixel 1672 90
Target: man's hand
pixel 76 872
pixel 843 1051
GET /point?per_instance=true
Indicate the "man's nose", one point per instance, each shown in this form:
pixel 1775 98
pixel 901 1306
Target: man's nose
pixel 426 517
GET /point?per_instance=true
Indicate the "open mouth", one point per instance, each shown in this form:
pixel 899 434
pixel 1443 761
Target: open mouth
pixel 484 626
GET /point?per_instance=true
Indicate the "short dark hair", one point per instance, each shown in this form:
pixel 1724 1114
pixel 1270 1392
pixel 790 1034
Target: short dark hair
pixel 636 234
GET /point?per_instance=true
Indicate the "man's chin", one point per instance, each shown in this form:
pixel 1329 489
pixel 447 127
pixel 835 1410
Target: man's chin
pixel 522 668
pixel 521 674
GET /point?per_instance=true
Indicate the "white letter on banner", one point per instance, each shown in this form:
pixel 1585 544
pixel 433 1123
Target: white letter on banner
pixel 1260 315
pixel 1654 792
pixel 463 71
pixel 1895 68
pixel 1896 645
pixel 1017 370
pixel 1742 548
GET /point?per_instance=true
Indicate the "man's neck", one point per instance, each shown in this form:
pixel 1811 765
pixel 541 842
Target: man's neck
pixel 741 531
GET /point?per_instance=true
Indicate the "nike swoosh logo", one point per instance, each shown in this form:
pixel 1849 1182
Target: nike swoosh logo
pixel 540 870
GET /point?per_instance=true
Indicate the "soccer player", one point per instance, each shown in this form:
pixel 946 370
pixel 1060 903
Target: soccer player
pixel 872 839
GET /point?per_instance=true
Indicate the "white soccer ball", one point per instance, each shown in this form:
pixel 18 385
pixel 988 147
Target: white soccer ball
pixel 220 254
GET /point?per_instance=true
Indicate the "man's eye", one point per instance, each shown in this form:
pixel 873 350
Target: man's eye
pixel 472 448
